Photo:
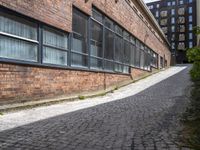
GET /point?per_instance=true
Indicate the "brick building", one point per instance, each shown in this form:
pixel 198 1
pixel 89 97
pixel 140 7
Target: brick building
pixel 177 19
pixel 53 48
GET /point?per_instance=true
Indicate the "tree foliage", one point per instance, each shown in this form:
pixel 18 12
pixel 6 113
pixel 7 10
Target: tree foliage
pixel 193 55
pixel 196 30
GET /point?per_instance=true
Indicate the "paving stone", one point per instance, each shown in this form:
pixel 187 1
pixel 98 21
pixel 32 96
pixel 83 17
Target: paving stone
pixel 148 120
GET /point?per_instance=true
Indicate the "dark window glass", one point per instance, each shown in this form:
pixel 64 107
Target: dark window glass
pixel 79 41
pixel 109 23
pixel 97 15
pixel 154 59
pixel 79 27
pixel 109 45
pixel 142 59
pixel 137 54
pixel 161 62
pixel 96 63
pixel 132 40
pixel 79 60
pixel 80 23
pixel 132 54
pixel 108 65
pixel 96 39
pixel 126 52
pixel 119 55
pixel 118 30
pixel 126 35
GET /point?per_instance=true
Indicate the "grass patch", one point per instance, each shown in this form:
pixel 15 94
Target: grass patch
pixel 81 97
pixel 116 88
pixel 1 114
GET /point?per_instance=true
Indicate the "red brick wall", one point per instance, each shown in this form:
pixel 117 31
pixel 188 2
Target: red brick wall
pixel 138 73
pixel 28 83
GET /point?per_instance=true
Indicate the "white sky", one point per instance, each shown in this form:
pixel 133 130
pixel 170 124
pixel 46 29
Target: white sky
pixel 148 1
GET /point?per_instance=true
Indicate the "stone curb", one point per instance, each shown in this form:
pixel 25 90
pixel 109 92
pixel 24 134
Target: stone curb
pixel 28 105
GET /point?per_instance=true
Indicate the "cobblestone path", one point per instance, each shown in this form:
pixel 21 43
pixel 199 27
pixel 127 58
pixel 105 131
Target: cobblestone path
pixel 146 121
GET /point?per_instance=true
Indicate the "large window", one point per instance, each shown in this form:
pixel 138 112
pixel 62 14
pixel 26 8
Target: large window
pixel 132 51
pixel 55 46
pixel 137 54
pixel 79 41
pixel 119 55
pixel 96 43
pixel 154 59
pixel 142 56
pixel 18 38
pixel 109 44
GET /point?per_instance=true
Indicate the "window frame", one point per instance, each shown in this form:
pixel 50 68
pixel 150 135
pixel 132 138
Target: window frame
pixel 40 28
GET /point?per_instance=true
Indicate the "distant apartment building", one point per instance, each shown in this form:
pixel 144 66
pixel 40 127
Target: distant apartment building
pixel 177 19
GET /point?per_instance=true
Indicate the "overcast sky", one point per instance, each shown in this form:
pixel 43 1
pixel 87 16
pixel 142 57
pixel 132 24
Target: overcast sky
pixel 147 1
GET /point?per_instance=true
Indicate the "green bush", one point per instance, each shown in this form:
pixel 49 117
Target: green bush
pixel 195 71
pixel 81 97
pixel 193 55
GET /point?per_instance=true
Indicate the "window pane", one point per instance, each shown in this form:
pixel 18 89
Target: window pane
pixel 118 29
pixel 126 52
pixel 78 44
pixel 79 60
pixel 142 59
pixel 137 55
pixel 109 23
pixel 55 38
pixel 17 26
pixel 108 65
pixel 54 56
pixel 126 35
pixel 125 69
pixel 17 49
pixel 132 40
pixel 132 55
pixel 97 15
pixel 79 27
pixel 96 39
pixel 118 68
pixel 80 23
pixel 96 63
pixel 119 55
pixel 109 44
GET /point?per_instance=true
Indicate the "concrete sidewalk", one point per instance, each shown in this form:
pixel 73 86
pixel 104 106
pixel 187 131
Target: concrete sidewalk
pixel 23 117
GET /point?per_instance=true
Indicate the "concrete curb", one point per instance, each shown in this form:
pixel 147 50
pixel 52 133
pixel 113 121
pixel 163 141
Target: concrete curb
pixel 28 105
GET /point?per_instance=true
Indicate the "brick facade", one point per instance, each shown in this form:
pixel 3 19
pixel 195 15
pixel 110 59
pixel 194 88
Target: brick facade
pixel 21 82
pixel 26 82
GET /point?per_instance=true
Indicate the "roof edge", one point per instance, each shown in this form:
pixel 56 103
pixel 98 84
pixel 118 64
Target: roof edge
pixel 144 6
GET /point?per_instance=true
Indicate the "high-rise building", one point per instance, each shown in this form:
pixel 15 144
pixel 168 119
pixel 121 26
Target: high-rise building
pixel 177 19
